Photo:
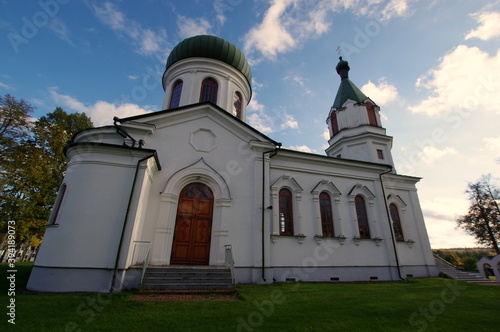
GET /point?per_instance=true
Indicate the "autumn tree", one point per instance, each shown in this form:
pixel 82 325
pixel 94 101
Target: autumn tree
pixel 33 166
pixel 483 218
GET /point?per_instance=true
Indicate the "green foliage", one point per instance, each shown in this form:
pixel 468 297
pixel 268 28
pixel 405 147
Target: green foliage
pixel 483 218
pixel 470 263
pixel 460 256
pixel 32 164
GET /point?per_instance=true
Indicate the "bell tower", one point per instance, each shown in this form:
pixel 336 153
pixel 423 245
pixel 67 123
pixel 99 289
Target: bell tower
pixel 356 131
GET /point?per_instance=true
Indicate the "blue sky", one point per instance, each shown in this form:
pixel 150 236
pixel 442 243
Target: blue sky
pixel 432 66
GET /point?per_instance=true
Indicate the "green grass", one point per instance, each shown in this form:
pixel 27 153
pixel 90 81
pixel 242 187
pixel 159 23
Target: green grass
pixel 419 305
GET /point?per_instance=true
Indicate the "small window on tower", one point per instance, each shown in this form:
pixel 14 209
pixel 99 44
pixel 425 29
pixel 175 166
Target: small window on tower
pixel 237 105
pixel 380 154
pixel 335 124
pixel 372 118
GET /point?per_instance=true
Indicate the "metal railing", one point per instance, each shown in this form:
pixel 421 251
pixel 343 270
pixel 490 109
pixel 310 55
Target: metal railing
pixel 141 249
pixel 229 260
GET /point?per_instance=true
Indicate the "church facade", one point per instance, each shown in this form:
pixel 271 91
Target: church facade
pixel 194 184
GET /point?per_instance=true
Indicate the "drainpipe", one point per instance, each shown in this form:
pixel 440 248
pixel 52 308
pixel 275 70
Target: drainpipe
pixel 390 222
pixel 120 131
pixel 275 150
pixel 113 280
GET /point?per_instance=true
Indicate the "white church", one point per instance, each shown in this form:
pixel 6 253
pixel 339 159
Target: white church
pixel 195 185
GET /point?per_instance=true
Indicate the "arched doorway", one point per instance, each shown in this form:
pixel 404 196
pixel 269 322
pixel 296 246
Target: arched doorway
pixel 193 226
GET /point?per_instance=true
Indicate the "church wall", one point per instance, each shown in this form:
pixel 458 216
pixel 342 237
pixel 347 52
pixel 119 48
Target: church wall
pixel 226 156
pixel 289 251
pixel 88 227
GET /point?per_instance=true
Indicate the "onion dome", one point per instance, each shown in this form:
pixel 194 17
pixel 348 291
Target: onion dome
pixel 347 89
pixel 212 47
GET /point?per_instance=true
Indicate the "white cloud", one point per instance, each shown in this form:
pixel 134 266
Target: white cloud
pixel 61 30
pixel 395 8
pixel 271 36
pixel 492 143
pixel 489 26
pixel 261 121
pixel 287 24
pixel 189 27
pixel 326 134
pixel 147 41
pixel 303 148
pixel 382 94
pixel 5 86
pixel 465 79
pixel 301 82
pixel 289 122
pixel 430 154
pixel 101 113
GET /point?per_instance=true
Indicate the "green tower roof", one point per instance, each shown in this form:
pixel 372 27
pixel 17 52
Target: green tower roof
pixel 347 89
pixel 211 47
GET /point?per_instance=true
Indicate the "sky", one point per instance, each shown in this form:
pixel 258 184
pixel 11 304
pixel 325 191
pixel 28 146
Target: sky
pixel 433 67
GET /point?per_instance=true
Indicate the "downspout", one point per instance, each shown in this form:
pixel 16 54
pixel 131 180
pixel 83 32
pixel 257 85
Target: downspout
pixel 390 223
pixel 275 150
pixel 113 280
pixel 120 131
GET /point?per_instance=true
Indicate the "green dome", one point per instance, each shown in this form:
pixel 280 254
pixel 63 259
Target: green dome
pixel 210 47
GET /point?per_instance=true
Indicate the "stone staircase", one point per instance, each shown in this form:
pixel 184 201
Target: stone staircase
pixel 451 271
pixel 188 279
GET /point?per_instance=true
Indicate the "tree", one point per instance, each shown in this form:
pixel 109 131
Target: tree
pixel 15 121
pixel 33 167
pixel 483 217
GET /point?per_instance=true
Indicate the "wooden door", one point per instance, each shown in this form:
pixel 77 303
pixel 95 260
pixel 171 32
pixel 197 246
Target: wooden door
pixel 193 226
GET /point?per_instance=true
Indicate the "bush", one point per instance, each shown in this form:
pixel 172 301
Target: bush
pixel 470 263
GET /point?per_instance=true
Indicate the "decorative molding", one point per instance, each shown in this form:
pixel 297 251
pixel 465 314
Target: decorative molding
pixel 203 140
pixel 340 238
pixel 378 240
pixel 300 237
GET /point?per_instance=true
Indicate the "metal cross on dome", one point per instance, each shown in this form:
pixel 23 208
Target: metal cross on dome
pixel 339 50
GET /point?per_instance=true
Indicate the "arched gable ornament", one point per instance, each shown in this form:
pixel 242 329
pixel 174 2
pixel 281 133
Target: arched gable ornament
pixel 359 189
pixel 327 186
pixel 396 199
pixel 199 171
pixel 285 181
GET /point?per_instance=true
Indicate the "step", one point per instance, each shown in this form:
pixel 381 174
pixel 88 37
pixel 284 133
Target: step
pixel 187 286
pixel 186 280
pixel 170 274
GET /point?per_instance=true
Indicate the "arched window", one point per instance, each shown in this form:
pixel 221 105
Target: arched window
pixel 209 89
pixel 372 118
pixel 335 124
pixel 286 212
pixel 364 228
pixel 325 205
pixel 175 97
pixel 396 223
pixel 57 205
pixel 238 100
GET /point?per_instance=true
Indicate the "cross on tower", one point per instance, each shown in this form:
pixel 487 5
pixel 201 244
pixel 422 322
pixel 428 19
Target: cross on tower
pixel 339 50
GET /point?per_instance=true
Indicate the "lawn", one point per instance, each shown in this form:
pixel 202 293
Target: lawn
pixel 432 304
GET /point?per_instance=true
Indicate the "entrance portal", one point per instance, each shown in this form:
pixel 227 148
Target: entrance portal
pixel 193 226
